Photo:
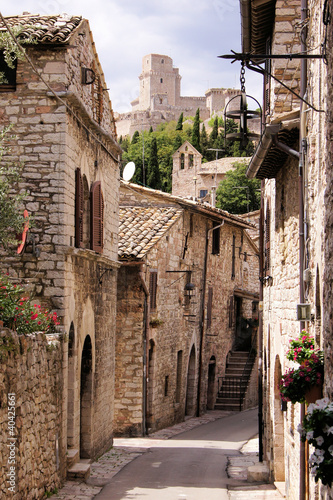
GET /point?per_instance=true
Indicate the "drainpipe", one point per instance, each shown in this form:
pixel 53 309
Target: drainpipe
pixel 261 312
pixel 145 336
pixel 303 85
pixel 202 314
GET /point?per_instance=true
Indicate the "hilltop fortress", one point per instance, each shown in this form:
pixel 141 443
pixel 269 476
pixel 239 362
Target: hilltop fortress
pixel 160 100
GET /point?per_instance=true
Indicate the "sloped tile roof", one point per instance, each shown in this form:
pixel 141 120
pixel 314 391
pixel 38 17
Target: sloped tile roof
pixel 44 29
pixel 141 227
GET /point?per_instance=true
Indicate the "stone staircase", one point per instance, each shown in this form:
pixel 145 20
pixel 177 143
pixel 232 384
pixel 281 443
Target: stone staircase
pixel 233 386
pixel 77 469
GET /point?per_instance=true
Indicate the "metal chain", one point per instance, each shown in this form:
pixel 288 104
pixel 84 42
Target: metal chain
pixel 242 77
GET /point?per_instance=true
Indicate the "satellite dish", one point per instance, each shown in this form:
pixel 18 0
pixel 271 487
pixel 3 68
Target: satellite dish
pixel 129 171
pixel 22 238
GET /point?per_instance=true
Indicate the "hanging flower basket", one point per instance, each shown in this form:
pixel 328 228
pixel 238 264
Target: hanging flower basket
pixel 317 428
pixel 303 384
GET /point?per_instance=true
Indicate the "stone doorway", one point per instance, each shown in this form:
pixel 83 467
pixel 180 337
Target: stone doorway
pixel 190 389
pixel 211 396
pixel 86 399
pixel 71 388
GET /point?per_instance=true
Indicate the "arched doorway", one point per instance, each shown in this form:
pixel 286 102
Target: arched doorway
pixel 278 427
pixel 71 388
pixel 211 384
pixel 190 389
pixel 86 399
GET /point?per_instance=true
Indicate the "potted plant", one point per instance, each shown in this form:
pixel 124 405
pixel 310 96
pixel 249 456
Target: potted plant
pixel 317 428
pixel 304 383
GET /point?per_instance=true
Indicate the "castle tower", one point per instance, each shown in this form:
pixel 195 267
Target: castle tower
pixel 159 83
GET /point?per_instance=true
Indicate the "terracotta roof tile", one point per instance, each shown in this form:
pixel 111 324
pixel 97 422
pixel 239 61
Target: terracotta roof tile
pixel 141 227
pixel 44 29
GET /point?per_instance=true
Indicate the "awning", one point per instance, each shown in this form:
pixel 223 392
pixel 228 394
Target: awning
pixel 277 143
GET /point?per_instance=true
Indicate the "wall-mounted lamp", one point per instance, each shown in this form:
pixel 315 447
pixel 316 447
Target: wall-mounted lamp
pixel 303 312
pixel 189 290
pixel 101 271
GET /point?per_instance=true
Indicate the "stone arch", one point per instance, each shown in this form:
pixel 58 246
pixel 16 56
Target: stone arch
pixel 191 386
pixel 278 427
pixel 211 383
pixel 71 387
pixel 86 399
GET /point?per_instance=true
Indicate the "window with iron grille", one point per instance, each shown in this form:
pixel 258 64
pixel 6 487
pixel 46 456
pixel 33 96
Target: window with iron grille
pixel 97 217
pixel 153 289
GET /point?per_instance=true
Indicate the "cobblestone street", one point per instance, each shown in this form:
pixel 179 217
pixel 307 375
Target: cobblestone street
pixel 126 450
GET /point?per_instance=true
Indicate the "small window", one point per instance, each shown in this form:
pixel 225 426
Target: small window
pixel 97 217
pixel 190 160
pixel 182 161
pixel 203 193
pixel 8 74
pixel 216 239
pixel 162 61
pixel 161 80
pixel 166 385
pixel 153 289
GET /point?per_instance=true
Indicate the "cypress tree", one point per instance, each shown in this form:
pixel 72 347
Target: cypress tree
pixel 135 137
pixel 179 125
pixel 203 141
pixel 153 174
pixel 195 141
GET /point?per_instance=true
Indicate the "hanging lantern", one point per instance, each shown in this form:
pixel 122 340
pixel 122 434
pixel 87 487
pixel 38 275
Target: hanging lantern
pixel 242 114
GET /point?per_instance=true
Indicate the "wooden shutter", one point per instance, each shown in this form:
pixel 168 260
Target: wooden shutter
pixel 153 289
pixel 79 207
pixel 209 307
pixel 97 217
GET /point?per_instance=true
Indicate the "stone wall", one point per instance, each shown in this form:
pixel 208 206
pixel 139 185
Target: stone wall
pixel 174 328
pixel 53 139
pixel 32 445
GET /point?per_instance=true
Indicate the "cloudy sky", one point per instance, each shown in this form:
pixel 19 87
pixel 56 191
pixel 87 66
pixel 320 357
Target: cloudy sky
pixel 192 32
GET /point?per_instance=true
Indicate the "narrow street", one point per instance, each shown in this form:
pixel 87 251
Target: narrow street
pixel 191 465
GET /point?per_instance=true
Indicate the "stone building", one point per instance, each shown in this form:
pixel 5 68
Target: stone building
pixel 65 136
pixel 294 162
pixel 171 347
pixel 191 178
pixel 160 98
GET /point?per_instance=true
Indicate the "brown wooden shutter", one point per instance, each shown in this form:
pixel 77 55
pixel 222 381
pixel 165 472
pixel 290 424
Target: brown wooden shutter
pixel 209 307
pixel 153 289
pixel 79 207
pixel 97 217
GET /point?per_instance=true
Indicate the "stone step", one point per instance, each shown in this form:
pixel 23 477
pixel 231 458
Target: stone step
pixel 79 471
pixel 227 406
pixel 73 456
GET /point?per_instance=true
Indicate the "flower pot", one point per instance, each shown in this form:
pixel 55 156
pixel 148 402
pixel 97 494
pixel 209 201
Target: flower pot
pixel 315 392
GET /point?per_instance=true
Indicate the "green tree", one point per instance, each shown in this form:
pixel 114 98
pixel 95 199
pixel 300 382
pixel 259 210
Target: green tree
pixel 153 172
pixel 236 193
pixel 135 137
pixel 203 141
pixel 179 125
pixel 11 213
pixel 195 140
